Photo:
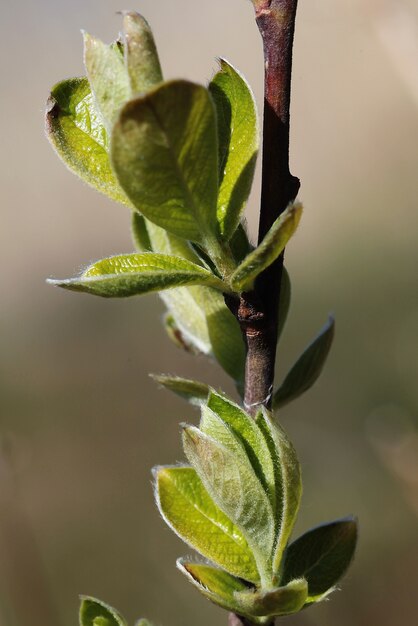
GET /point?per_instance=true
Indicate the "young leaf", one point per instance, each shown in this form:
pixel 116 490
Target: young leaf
pixel 229 478
pixel 140 53
pixel 247 431
pixel 96 613
pixel 140 233
pixel 322 555
pixel 217 585
pixel 269 249
pixel 238 134
pixel 177 337
pixel 191 390
pixel 188 509
pixel 136 274
pixel 164 153
pixel 281 601
pixel 288 482
pixel 307 369
pixel 108 77
pixel 76 132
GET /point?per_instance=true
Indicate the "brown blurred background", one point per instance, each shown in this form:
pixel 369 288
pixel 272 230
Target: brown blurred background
pixel 81 422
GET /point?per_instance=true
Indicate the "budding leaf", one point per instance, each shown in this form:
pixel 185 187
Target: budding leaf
pixel 141 55
pixel 136 274
pixel 217 585
pixel 233 485
pixel 190 390
pixel 96 613
pixel 188 509
pixel 281 601
pixel 165 156
pixel 288 482
pixel 238 134
pixel 322 556
pixel 247 431
pixel 269 249
pixel 108 77
pixel 307 369
pixel 76 131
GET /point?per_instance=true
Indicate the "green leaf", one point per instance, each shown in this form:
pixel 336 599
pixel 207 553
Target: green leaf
pixel 96 613
pixel 136 274
pixel 307 369
pixel 247 431
pixel 174 333
pixel 288 483
pixel 188 509
pixel 141 55
pixel 191 390
pixel 322 555
pixel 238 134
pixel 285 298
pixel 269 249
pixel 281 601
pixel 240 244
pixel 164 153
pixel 215 584
pixel 231 482
pixel 108 77
pixel 76 132
pixel 140 233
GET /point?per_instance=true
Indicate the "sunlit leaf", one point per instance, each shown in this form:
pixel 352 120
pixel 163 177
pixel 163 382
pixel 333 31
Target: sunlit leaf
pixel 307 369
pixel 189 510
pixel 164 153
pixel 191 390
pixel 269 249
pixel 136 274
pixel 322 555
pixel 141 54
pixel 75 130
pixel 281 601
pixel 238 143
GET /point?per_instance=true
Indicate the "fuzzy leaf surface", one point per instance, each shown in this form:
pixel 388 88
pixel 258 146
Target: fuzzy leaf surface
pixel 269 249
pixel 165 156
pixel 188 509
pixel 322 555
pixel 141 54
pixel 96 613
pixel 76 132
pixel 288 481
pixel 281 601
pixel 136 274
pixel 238 134
pixel 108 78
pixel 307 369
pixel 247 431
pixel 191 390
pixel 233 485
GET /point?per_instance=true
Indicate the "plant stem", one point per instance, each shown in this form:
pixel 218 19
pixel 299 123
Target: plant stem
pixel 257 312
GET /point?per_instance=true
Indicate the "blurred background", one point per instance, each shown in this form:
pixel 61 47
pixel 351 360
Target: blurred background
pixel 81 422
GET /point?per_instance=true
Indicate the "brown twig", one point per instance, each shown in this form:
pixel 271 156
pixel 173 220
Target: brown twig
pixel 257 312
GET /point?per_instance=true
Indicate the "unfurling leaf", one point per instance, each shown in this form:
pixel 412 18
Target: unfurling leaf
pixel 238 134
pixel 188 509
pixel 190 390
pixel 108 78
pixel 96 613
pixel 165 155
pixel 269 249
pixel 307 368
pixel 288 483
pixel 322 556
pixel 141 54
pixel 76 131
pixel 136 274
pixel 233 485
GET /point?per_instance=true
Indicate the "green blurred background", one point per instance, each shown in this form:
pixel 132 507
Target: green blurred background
pixel 81 422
